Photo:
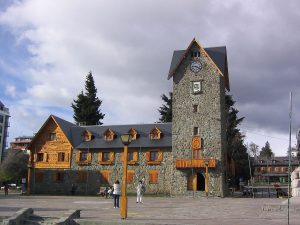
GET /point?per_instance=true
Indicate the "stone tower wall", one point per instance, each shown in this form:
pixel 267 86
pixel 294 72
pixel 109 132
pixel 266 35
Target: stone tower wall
pixel 210 119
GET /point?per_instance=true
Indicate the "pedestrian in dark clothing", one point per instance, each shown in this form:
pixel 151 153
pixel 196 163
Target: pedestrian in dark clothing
pixel 6 189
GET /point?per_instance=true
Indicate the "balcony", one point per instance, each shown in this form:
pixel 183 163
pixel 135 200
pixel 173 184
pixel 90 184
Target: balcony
pixel 195 163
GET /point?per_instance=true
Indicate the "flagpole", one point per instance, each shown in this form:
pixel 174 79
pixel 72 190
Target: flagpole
pixel 290 150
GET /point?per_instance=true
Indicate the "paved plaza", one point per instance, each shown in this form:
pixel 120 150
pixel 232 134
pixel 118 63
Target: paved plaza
pixel 158 210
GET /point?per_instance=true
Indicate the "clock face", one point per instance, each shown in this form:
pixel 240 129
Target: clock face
pixel 195 66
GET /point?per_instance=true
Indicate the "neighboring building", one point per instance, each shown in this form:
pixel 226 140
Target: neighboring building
pixel 4 124
pixel 182 157
pixel 21 143
pixel 273 170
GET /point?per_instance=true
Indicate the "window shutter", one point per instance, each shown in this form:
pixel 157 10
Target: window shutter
pixel 67 157
pixel 89 157
pixel 153 176
pixel 77 156
pixel 135 156
pixel 34 157
pixel 130 176
pixel 148 156
pixel 111 156
pixel 45 157
pixel 160 156
pixel 99 156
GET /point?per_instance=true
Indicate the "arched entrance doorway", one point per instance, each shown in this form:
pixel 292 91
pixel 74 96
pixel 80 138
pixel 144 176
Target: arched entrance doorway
pixel 200 182
pixel 196 182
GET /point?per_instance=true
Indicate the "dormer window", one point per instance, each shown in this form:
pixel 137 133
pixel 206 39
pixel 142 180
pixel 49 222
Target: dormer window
pixel 109 135
pixel 134 134
pixel 86 135
pixel 155 134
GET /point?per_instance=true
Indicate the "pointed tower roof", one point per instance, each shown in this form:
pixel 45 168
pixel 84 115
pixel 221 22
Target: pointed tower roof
pixel 216 55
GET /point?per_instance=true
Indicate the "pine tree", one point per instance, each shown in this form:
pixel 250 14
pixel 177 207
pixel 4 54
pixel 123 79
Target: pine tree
pixel 266 151
pixel 87 106
pixel 236 150
pixel 166 110
pixel 79 107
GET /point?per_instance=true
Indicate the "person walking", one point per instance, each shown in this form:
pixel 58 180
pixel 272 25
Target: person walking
pixel 117 190
pixel 140 189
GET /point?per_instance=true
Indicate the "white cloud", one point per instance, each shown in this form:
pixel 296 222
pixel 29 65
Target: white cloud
pixel 10 90
pixel 128 46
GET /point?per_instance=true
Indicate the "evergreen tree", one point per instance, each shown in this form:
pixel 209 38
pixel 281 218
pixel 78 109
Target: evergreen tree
pixel 79 107
pixel 166 110
pixel 266 151
pixel 236 150
pixel 87 106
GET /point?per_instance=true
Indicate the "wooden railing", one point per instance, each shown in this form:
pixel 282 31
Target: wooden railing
pixel 195 163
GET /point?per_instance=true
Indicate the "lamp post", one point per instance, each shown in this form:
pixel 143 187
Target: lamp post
pixel 206 177
pixel 126 140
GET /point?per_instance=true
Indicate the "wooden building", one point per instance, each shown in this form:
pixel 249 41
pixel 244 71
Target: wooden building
pixel 187 155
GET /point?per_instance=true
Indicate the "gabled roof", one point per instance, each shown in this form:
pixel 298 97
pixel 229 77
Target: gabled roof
pixel 64 125
pixel 217 55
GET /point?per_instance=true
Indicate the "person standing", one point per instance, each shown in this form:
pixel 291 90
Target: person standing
pixel 139 192
pixel 117 191
pixel 6 189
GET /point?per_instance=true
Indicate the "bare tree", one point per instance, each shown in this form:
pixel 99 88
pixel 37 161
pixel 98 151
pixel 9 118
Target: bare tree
pixel 253 149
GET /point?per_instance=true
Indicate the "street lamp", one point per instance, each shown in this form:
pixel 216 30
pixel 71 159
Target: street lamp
pixel 206 177
pixel 126 140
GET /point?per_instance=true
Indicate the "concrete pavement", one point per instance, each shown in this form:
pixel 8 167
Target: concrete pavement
pixel 158 210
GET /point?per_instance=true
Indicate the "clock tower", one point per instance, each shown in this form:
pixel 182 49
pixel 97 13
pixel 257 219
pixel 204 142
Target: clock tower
pixel 200 77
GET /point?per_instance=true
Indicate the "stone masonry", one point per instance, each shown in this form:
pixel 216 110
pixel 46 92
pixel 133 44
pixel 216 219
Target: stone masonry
pixel 210 119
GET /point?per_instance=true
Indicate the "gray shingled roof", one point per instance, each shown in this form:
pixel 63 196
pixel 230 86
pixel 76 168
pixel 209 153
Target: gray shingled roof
pixel 65 126
pixel 143 139
pixel 217 54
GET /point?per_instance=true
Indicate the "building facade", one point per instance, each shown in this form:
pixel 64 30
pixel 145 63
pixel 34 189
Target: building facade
pixel 187 155
pixel 4 124
pixel 274 170
pixel 21 143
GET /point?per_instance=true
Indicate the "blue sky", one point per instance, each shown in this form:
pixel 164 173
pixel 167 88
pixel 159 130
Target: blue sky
pixel 47 49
